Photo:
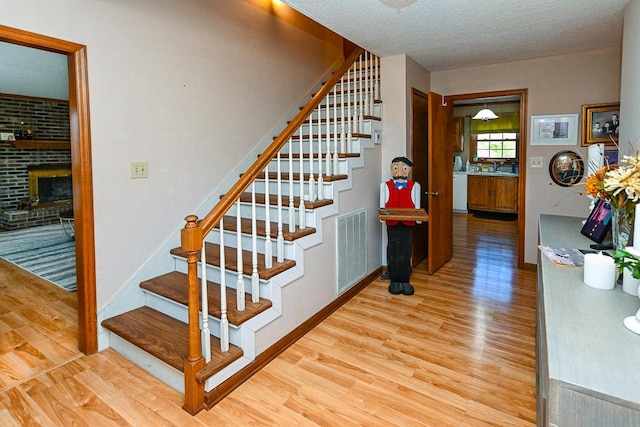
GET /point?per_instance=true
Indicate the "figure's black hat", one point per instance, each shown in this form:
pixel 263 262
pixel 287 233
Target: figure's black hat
pixel 403 160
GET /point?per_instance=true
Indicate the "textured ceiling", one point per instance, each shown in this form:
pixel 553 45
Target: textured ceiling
pixel 448 34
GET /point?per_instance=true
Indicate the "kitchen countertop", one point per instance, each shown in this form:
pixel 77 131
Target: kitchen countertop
pixel 499 173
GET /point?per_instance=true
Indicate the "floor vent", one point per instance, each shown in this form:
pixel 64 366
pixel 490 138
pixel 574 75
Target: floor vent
pixel 352 249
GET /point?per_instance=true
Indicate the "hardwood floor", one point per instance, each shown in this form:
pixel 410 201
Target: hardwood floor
pixel 460 352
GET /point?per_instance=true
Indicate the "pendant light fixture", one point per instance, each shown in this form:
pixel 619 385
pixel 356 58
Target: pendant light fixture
pixel 397 4
pixel 485 114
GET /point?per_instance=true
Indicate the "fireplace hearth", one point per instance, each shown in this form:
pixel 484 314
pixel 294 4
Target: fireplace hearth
pixel 50 192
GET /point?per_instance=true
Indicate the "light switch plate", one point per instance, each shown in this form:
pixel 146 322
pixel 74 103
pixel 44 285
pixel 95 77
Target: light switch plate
pixel 536 162
pixel 138 170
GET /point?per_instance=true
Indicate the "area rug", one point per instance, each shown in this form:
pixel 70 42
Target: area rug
pixel 46 251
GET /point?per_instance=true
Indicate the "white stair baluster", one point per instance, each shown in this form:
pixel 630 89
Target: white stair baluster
pixel 255 279
pixel 367 110
pixel 349 115
pixel 361 106
pixel 292 207
pixel 343 134
pixel 333 170
pixel 377 84
pixel 280 238
pixel 320 177
pixel 224 322
pixel 205 333
pixel 268 245
pixel 301 207
pixel 327 166
pixel 312 179
pixel 371 93
pixel 240 291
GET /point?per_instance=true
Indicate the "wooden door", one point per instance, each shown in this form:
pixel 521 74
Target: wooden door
pixel 419 139
pixel 432 157
pixel 440 182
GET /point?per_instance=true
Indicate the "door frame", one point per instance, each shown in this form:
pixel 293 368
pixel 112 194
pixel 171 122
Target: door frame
pixel 522 155
pixel 81 174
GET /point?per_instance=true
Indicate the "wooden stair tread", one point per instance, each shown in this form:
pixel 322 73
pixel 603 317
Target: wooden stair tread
pixel 340 155
pixel 213 258
pixel 165 338
pixel 340 119
pixel 296 177
pixel 332 136
pixel 175 286
pixel 246 227
pixel 273 200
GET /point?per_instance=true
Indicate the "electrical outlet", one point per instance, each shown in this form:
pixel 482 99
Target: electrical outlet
pixel 138 170
pixel 536 162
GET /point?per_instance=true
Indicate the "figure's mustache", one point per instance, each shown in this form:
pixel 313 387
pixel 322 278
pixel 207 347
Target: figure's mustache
pixel 404 177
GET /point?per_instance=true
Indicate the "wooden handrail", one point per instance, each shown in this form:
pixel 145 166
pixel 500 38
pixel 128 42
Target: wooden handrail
pixel 213 217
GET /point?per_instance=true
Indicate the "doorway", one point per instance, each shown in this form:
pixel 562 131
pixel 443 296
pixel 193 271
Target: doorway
pixel 500 96
pixel 81 171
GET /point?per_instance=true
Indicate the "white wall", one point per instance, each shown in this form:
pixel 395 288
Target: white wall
pixel 630 81
pixel 556 85
pixel 190 87
pixel 399 74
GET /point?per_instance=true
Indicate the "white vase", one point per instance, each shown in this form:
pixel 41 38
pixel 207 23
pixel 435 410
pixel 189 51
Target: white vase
pixel 629 284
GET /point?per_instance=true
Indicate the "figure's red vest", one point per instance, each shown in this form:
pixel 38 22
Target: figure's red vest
pixel 400 199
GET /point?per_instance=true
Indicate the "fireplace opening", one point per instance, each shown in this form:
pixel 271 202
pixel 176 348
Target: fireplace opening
pixel 50 185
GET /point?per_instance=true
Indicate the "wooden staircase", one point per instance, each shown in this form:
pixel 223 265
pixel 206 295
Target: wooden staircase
pixel 156 335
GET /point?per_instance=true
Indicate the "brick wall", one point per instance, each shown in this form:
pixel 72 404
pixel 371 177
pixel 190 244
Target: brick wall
pixel 48 118
pixel 50 121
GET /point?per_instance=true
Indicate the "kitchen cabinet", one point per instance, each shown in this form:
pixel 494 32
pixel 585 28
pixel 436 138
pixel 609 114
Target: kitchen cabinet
pixel 493 193
pixel 460 192
pixel 458 134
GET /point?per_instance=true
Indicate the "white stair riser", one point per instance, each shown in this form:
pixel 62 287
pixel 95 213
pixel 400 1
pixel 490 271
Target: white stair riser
pixel 213 275
pixel 154 366
pixel 231 240
pixel 245 210
pixel 180 312
pixel 260 186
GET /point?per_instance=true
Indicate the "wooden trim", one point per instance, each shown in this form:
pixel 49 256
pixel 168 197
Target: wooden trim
pixel 220 392
pixel 80 145
pixel 522 155
pixel 39 144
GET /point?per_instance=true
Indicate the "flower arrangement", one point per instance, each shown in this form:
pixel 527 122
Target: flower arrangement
pixel 618 185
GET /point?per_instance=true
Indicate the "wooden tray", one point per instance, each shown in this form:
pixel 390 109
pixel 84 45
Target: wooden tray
pixel 402 214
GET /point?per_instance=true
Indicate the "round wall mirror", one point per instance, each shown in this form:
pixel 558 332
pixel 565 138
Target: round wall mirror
pixel 566 168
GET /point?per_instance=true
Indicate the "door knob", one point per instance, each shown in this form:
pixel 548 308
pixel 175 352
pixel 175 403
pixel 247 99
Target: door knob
pixel 432 193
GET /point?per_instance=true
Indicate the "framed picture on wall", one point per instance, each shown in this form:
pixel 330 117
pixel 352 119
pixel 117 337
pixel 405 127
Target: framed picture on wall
pixel 559 129
pixel 600 123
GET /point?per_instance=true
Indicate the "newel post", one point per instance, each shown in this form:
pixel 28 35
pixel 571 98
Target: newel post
pixel 191 243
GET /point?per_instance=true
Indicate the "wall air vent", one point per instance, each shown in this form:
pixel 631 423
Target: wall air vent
pixel 352 249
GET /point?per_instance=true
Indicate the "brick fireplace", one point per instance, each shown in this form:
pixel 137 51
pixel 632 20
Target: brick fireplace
pixel 50 119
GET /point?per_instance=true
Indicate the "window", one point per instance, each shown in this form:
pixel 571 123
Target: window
pixel 497 145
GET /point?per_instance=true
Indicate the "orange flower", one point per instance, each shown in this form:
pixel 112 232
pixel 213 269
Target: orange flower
pixel 594 185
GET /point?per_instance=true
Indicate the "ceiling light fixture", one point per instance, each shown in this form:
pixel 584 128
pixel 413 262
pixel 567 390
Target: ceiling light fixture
pixel 397 4
pixel 485 114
